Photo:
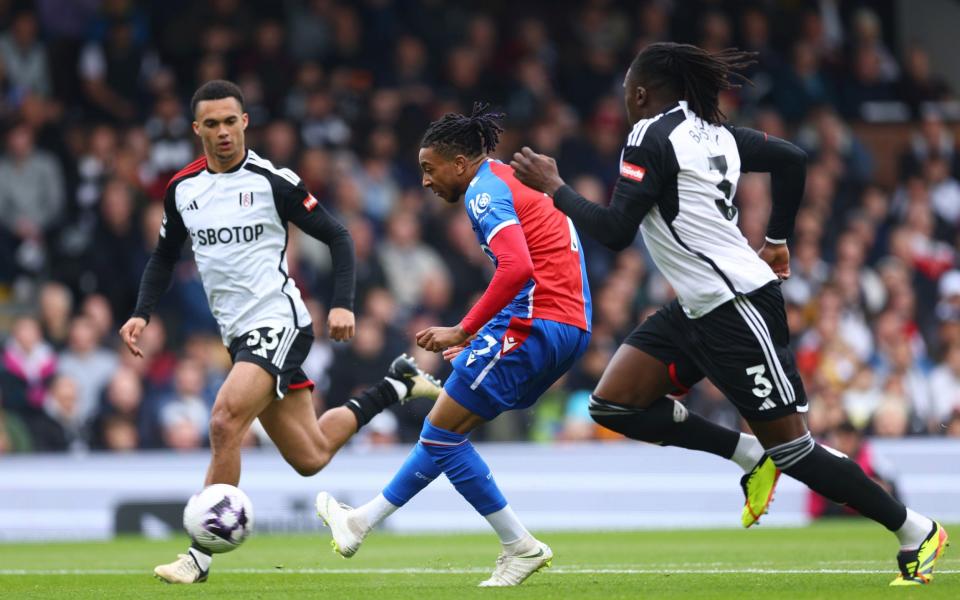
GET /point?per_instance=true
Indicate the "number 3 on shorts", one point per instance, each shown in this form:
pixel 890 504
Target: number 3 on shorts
pixel 764 387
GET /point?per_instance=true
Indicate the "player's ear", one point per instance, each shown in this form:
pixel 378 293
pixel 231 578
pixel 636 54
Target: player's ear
pixel 460 163
pixel 642 95
pixel 246 120
pixel 196 128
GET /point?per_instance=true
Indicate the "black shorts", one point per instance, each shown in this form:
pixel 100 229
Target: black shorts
pixel 741 346
pixel 280 351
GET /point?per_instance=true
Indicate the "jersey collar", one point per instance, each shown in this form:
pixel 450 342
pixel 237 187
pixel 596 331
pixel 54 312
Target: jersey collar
pixel 234 168
pixel 482 170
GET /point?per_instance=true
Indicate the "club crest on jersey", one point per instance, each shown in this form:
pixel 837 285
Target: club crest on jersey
pixel 246 199
pixel 310 202
pixel 632 171
pixel 480 204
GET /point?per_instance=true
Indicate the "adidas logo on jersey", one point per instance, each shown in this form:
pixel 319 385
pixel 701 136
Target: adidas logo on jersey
pixel 191 206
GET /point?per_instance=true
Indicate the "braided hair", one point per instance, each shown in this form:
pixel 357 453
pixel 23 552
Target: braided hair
pixel 471 136
pixel 693 74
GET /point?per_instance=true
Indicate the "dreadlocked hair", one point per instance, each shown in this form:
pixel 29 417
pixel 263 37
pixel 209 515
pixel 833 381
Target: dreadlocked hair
pixel 694 74
pixel 471 136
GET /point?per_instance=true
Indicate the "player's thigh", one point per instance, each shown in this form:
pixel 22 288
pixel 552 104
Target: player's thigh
pixel 247 390
pixel 652 362
pixel 292 425
pixel 633 378
pixel 744 350
pixel 450 415
pixel 511 363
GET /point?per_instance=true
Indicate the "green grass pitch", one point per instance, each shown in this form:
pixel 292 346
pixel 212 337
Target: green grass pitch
pixel 829 561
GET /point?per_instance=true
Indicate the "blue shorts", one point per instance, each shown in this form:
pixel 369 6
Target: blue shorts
pixel 512 362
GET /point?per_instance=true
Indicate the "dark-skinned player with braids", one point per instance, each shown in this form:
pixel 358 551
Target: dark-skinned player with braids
pixel 529 327
pixel 678 175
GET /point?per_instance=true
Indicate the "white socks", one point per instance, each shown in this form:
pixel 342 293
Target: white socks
pixel 398 386
pixel 203 560
pixel 372 513
pixel 513 535
pixel 913 531
pixel 747 453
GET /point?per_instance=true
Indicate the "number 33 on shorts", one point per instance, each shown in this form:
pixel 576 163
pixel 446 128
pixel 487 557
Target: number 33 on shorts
pixel 266 339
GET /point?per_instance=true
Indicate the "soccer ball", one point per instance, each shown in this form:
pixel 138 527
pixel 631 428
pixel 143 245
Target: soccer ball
pixel 219 518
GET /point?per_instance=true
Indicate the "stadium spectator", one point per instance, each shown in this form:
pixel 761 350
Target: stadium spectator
pixel 406 260
pixel 66 432
pixel 945 387
pixel 24 57
pixel 919 86
pixel 113 72
pixel 54 311
pixel 803 85
pixel 88 364
pixel 31 200
pixel 185 414
pixel 121 402
pixel 932 139
pixel 29 364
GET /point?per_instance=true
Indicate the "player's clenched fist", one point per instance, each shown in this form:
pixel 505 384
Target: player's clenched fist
pixel 130 333
pixel 340 324
pixel 436 339
pixel 778 257
pixel 538 171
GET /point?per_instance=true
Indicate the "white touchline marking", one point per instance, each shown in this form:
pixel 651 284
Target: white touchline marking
pixel 475 570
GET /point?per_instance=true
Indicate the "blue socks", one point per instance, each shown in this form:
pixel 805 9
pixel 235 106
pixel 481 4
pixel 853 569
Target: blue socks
pixel 453 454
pixel 416 473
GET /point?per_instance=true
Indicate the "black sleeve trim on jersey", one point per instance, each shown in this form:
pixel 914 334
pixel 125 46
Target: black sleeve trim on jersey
pixel 643 172
pixel 159 270
pixel 295 204
pixel 787 165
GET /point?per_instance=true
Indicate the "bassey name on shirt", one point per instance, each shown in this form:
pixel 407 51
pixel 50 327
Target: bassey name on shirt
pixel 227 235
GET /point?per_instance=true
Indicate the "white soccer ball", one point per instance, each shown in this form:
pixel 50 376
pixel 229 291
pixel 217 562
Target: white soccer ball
pixel 219 518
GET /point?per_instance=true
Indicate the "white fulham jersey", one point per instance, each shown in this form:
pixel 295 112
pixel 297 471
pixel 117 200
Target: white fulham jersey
pixel 237 224
pixel 691 228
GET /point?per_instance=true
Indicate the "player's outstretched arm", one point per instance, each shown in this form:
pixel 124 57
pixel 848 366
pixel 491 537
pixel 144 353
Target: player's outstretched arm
pixel 158 273
pixel 614 226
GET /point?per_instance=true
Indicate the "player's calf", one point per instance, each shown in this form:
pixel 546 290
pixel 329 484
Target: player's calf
pixel 404 381
pixel 836 477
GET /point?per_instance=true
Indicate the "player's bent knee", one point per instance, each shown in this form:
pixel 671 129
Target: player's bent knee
pixel 224 428
pixel 310 465
pixel 625 396
pixel 651 424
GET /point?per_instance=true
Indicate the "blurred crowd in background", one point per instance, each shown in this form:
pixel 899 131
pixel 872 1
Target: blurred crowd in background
pixel 95 119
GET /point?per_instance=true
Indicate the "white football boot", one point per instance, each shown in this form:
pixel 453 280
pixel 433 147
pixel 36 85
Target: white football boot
pixel 513 569
pixel 347 536
pixel 183 570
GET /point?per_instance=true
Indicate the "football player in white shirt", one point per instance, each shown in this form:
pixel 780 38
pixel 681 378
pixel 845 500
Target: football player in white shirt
pixel 234 206
pixel 678 176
